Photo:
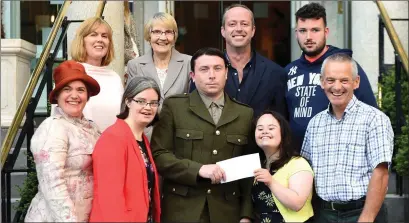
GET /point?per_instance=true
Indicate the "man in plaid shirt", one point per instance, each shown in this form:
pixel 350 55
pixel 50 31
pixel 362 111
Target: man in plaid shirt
pixel 349 146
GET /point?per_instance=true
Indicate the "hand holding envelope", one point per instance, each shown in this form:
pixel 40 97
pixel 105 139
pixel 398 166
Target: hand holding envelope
pixel 212 172
pixel 240 167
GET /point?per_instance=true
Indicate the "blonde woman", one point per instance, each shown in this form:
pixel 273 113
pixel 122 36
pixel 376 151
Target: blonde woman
pixel 93 48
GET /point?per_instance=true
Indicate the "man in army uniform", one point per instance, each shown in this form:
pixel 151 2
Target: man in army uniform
pixel 194 132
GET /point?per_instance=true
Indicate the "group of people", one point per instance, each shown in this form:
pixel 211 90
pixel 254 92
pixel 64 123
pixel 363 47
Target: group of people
pixel 147 152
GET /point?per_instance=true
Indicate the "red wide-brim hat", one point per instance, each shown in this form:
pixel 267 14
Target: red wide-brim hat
pixel 69 71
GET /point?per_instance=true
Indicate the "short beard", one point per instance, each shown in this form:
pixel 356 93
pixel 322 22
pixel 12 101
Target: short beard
pixel 312 53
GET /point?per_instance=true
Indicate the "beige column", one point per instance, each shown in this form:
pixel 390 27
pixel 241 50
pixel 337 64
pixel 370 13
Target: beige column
pixel 113 14
pixel 16 56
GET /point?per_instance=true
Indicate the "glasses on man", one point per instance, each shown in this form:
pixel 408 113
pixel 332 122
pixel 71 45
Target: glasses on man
pixel 143 103
pixel 167 33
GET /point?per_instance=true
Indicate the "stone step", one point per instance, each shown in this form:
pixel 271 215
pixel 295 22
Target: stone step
pixel 397 207
pixel 392 183
pixel 17 180
pixel 21 162
pixel 4 133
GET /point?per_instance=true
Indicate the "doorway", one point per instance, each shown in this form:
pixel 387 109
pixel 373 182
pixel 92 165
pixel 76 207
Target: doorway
pixel 199 25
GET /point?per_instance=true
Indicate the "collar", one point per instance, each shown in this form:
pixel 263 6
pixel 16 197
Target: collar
pixel 59 113
pixel 251 61
pixel 350 107
pixel 208 101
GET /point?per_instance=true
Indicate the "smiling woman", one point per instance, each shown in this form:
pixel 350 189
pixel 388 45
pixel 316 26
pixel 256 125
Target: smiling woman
pixel 169 68
pixel 62 147
pixel 126 184
pixel 93 48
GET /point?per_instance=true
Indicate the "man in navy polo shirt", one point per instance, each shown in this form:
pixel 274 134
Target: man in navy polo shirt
pixel 252 79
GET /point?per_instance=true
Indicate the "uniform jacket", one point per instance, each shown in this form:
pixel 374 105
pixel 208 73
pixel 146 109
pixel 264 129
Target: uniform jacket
pixel 184 139
pixel 120 178
pixel 62 148
pixel 177 80
pixel 304 95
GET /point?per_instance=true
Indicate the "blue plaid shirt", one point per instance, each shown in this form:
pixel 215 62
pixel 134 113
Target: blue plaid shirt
pixel 343 153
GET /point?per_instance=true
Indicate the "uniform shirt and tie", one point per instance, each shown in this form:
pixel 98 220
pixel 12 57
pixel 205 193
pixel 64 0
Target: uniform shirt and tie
pixel 215 107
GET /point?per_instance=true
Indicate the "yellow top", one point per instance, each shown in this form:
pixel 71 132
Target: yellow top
pixel 282 176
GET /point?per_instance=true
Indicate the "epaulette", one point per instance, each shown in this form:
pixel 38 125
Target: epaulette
pixel 184 95
pixel 238 102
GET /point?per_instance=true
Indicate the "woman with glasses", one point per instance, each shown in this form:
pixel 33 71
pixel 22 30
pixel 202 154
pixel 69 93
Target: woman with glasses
pixel 125 177
pixel 169 68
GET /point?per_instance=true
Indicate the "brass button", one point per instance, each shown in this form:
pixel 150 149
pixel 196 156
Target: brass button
pixel 214 152
pixel 217 132
pixel 239 140
pixel 173 189
pixel 188 135
pixel 209 191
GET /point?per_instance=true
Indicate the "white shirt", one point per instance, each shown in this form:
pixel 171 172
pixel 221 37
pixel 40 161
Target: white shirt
pixel 103 108
pixel 162 73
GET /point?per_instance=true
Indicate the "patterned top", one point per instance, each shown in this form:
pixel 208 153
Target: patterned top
pixel 343 153
pixel 151 177
pixel 264 206
pixel 162 73
pixel 62 148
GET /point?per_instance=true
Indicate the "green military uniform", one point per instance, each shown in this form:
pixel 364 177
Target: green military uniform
pixel 184 139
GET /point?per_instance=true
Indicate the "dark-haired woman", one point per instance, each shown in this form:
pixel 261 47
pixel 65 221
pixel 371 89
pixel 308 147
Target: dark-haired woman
pixel 282 189
pixel 125 177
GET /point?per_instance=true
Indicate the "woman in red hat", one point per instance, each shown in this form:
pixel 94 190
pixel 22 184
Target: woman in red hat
pixel 62 147
pixel 94 49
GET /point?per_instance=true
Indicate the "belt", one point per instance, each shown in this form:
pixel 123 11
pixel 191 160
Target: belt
pixel 343 206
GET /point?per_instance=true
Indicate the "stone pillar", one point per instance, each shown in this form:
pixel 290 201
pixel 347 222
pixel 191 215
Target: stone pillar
pixel 113 14
pixel 365 35
pixel 16 56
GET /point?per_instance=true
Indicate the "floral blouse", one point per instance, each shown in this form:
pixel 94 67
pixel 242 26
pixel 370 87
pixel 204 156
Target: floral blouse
pixel 151 177
pixel 62 147
pixel 264 206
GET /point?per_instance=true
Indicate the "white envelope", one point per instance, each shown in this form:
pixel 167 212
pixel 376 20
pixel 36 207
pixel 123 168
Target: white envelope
pixel 240 167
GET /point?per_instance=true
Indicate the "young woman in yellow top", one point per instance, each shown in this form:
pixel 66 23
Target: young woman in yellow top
pixel 282 189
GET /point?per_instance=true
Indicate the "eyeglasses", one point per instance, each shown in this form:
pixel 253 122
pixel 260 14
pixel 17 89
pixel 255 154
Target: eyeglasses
pixel 153 104
pixel 159 33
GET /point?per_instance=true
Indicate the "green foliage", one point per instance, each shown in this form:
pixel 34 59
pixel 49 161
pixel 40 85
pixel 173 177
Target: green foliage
pixel 389 107
pixel 27 193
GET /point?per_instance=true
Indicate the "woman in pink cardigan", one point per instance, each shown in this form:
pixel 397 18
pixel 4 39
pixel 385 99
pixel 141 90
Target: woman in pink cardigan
pixel 125 177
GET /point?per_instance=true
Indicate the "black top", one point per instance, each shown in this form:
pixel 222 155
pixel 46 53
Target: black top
pixel 151 177
pixel 264 206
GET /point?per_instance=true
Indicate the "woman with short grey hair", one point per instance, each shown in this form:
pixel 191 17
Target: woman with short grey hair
pixel 126 184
